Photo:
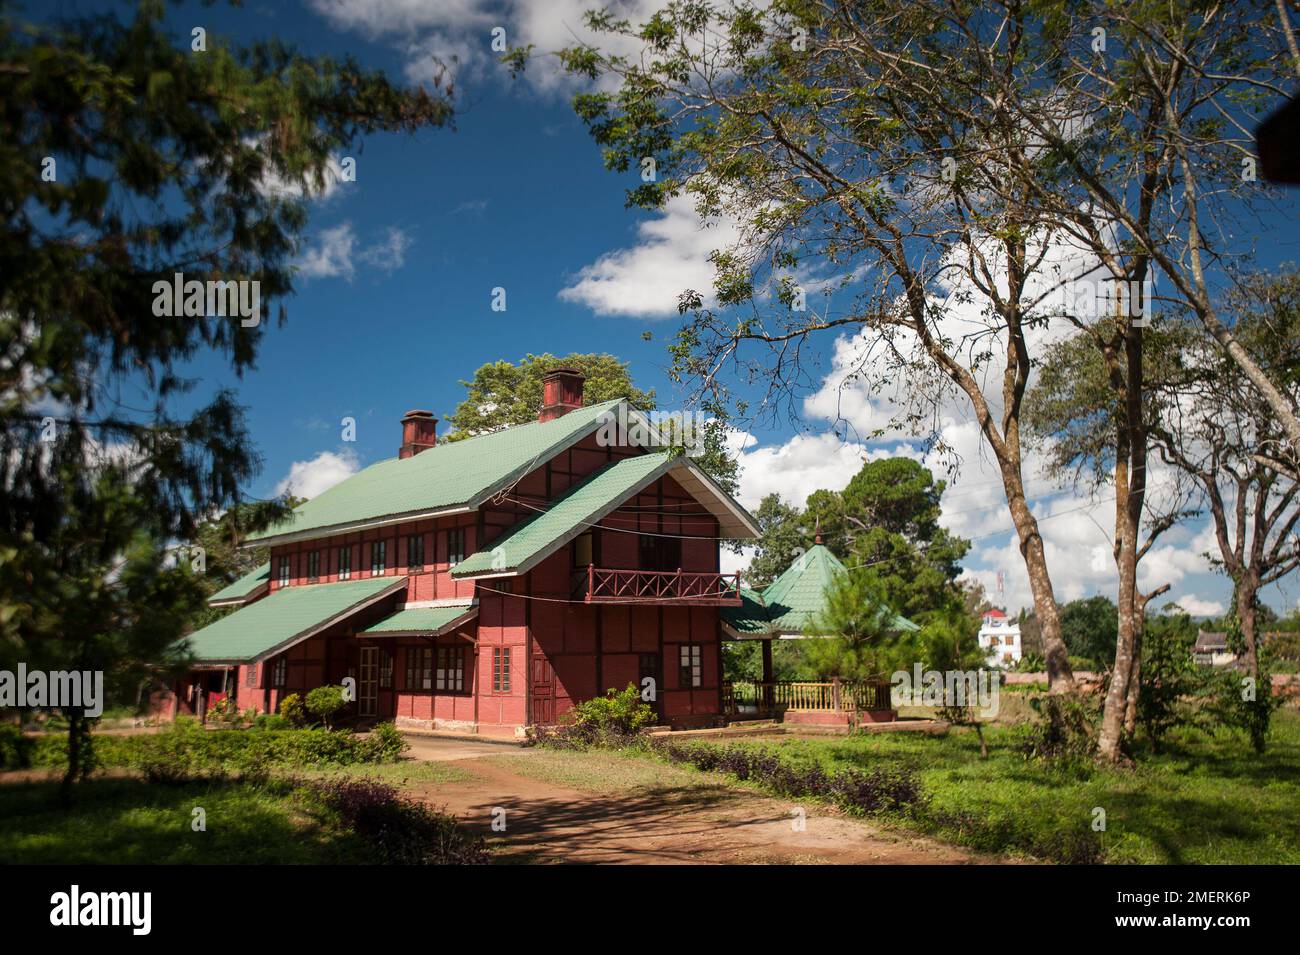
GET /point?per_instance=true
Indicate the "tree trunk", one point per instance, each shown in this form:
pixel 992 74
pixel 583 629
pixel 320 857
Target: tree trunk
pixel 1130 494
pixel 1247 616
pixel 1134 681
pixel 1060 678
pixel 74 769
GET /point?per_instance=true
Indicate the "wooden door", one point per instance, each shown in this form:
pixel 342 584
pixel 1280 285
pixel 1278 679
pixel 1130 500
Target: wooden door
pixel 368 682
pixel 543 686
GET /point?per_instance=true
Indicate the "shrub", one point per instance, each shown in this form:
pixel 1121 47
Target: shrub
pixel 401 831
pixel 271 721
pixel 15 748
pixel 292 709
pixel 385 744
pixel 325 701
pixel 1067 731
pixel 877 791
pixel 612 720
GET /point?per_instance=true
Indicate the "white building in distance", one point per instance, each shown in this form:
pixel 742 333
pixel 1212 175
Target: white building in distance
pixel 1000 639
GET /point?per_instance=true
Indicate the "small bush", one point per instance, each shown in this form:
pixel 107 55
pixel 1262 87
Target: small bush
pixel 293 710
pixel 614 720
pixel 15 748
pixel 271 721
pixel 1067 730
pixel 324 701
pixel 401 831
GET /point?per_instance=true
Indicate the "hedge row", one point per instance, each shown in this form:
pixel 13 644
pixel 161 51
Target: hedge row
pixel 878 791
pixel 187 750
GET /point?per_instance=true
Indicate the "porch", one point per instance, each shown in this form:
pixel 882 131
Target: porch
pixel 833 702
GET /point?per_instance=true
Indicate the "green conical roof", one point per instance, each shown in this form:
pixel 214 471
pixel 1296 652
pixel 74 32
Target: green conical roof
pixel 792 602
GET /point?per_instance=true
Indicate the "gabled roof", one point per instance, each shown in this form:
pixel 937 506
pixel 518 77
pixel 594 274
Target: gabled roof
pixel 253 584
pixel 453 476
pixel 286 617
pixel 422 621
pixel 1208 641
pixel 590 500
pixel 795 600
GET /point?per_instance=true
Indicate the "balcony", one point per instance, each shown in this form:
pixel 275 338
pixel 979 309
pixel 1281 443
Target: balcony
pixel 609 586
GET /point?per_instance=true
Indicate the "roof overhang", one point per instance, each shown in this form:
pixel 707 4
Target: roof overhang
pixel 454 623
pixel 249 597
pixel 336 530
pixel 399 583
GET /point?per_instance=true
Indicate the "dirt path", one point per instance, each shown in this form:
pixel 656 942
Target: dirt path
pixel 697 823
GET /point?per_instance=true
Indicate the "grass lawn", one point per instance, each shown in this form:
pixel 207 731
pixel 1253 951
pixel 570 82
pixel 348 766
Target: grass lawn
pixel 598 771
pixel 396 774
pixel 1204 800
pixel 119 820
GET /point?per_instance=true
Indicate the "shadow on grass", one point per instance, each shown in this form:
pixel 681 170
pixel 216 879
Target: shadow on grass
pixel 129 821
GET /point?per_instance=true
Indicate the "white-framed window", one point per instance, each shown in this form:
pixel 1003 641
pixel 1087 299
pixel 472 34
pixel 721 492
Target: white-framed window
pixel 282 572
pixel 280 672
pixel 455 545
pixel 345 563
pixel 378 557
pixel 692 666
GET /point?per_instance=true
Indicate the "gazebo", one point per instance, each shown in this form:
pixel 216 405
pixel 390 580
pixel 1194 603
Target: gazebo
pixel 785 610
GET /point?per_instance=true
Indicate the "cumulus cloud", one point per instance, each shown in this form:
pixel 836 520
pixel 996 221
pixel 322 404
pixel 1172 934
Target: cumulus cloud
pixel 336 252
pixel 670 256
pixel 309 478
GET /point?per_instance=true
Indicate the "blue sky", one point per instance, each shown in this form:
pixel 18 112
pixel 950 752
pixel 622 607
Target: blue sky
pixel 393 307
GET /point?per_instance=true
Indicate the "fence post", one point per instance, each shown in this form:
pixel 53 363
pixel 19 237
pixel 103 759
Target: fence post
pixel 835 692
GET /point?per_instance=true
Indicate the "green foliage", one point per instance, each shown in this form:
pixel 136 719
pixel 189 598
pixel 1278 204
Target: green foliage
pixel 618 711
pixel 1169 677
pixel 887 521
pixel 163 158
pixel 502 393
pixel 324 701
pixel 1090 628
pixel 856 640
pixel 783 537
pixel 1066 732
pixel 186 751
pixel 293 710
pixel 15 748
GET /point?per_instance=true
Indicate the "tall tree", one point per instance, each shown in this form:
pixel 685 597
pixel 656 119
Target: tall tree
pixel 502 393
pixel 128 157
pixel 782 540
pixel 834 151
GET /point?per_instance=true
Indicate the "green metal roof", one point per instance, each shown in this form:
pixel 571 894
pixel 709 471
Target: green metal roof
pixel 244 587
pixel 750 618
pixel 581 505
pixel 793 602
pixel 287 614
pixel 451 474
pixel 423 620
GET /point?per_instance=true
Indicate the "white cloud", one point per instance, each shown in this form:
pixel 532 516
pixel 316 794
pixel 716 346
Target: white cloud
pixel 1198 607
pixel 309 478
pixel 331 256
pixel 670 256
pixel 336 253
pixel 457 34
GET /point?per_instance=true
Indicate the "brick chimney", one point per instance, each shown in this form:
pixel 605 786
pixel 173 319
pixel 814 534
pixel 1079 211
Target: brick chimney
pixel 419 433
pixel 561 393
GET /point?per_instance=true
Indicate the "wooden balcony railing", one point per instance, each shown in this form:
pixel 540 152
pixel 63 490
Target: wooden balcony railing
pixel 777 697
pixel 662 586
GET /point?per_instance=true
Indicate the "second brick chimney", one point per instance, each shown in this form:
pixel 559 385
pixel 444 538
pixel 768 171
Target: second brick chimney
pixel 419 433
pixel 561 393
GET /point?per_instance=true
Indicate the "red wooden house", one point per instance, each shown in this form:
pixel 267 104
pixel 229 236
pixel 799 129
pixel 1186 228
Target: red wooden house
pixel 490 583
